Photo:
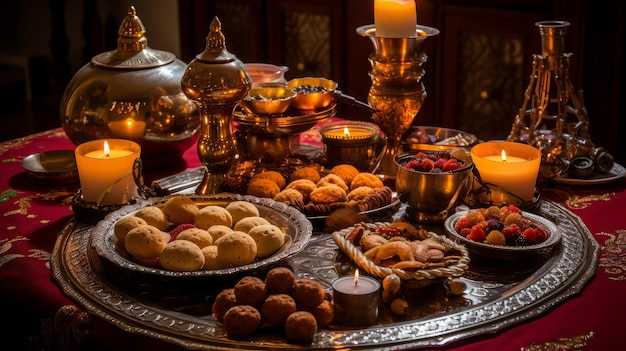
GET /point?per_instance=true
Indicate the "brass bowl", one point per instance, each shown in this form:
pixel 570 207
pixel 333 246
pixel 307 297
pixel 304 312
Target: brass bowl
pixel 312 92
pixel 431 196
pixel 268 99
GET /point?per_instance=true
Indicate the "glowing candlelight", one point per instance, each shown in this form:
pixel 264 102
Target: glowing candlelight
pixel 128 128
pixel 395 18
pixel 356 300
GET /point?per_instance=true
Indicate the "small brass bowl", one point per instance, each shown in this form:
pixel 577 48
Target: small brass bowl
pixel 312 92
pixel 266 99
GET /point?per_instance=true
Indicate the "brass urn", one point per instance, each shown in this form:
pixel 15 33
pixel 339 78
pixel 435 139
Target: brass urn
pixel 132 92
pixel 216 81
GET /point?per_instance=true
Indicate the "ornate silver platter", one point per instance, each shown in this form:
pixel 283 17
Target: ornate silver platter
pixel 297 229
pixel 499 295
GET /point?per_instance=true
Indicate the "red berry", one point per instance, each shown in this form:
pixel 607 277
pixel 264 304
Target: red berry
pixel 461 223
pixel 530 235
pixel 511 231
pixel 178 229
pixel 477 233
pixel 427 165
pixel 451 165
pixel 542 235
pixel 465 231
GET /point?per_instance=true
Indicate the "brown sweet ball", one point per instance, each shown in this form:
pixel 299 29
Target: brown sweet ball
pixel 324 314
pixel 248 223
pixel 123 225
pixel 268 237
pixel 328 194
pixel 280 280
pixel 180 209
pixel 236 249
pixel 182 256
pixel 211 258
pixel 276 308
pixel 360 193
pixel 271 175
pixel 242 320
pixel 153 215
pixel 304 186
pixel 145 241
pixel 241 209
pixel 346 172
pixel 289 196
pixel 308 294
pixel 223 302
pixel 250 290
pixel 300 326
pixel 197 236
pixel 265 188
pixel 212 215
pixel 307 172
pixel 333 179
pixel 366 179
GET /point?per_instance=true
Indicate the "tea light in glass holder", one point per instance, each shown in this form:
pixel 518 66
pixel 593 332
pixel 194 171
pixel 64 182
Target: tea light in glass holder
pixel 356 300
pixel 105 171
pixel 351 142
pixel 513 167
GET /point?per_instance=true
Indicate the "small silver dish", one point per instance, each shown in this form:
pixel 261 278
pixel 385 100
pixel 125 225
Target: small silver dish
pixel 52 167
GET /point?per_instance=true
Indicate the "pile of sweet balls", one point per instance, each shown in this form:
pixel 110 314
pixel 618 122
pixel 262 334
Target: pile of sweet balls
pixel 434 163
pixel 504 226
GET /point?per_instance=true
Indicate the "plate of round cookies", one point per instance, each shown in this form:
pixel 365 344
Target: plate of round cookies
pixel 200 235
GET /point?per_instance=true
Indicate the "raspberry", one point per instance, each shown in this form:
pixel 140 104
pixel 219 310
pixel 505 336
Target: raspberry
pixel 530 235
pixel 179 229
pixel 461 223
pixel 494 224
pixel 465 231
pixel 427 165
pixel 451 165
pixel 511 231
pixel 542 235
pixel 439 163
pixel 477 233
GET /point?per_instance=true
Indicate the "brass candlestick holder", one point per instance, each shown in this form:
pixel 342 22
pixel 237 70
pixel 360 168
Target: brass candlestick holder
pixel 216 81
pixel 397 92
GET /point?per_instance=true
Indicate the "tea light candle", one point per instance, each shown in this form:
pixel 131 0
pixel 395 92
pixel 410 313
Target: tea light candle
pixel 105 170
pixel 128 128
pixel 356 300
pixel 350 142
pixel 512 166
pixel 395 18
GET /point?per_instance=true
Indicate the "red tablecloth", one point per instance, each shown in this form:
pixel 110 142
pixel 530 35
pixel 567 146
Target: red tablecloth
pixel 37 315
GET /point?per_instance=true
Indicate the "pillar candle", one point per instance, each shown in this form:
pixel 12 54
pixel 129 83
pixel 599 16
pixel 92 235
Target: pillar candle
pixel 105 170
pixel 395 18
pixel 350 142
pixel 355 300
pixel 511 166
pixel 128 128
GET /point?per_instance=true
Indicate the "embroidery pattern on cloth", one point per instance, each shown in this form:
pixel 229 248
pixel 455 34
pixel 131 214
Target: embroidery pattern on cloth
pixel 562 344
pixel 613 255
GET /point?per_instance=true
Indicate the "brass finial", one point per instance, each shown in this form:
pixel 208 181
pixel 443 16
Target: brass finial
pixel 131 33
pixel 215 50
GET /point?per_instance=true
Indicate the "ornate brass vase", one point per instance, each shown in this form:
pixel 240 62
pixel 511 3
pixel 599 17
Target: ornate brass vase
pixel 216 81
pixel 397 91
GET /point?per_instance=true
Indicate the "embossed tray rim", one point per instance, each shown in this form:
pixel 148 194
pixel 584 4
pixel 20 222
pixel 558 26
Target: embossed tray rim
pixel 569 271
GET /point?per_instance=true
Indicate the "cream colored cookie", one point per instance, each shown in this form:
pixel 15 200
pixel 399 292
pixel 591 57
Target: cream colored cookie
pixel 218 231
pixel 123 225
pixel 182 256
pixel 268 237
pixel 153 215
pixel 264 188
pixel 145 241
pixel 346 172
pixel 180 209
pixel 211 260
pixel 213 215
pixel 241 209
pixel 366 179
pixel 236 249
pixel 333 179
pixel 197 236
pixel 248 223
pixel 304 186
pixel 308 172
pixel 271 175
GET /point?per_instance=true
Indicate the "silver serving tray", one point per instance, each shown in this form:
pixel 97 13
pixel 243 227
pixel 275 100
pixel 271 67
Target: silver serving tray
pixel 499 295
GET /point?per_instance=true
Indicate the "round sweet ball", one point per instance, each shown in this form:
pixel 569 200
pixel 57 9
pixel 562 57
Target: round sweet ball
pixel 211 259
pixel 223 302
pixel 145 241
pixel 265 188
pixel 276 308
pixel 268 237
pixel 324 314
pixel 182 256
pixel 241 209
pixel 180 209
pixel 347 172
pixel 279 280
pixel 248 223
pixel 218 231
pixel 366 179
pixel 125 224
pixel 197 236
pixel 274 176
pixel 236 249
pixel 308 294
pixel 307 172
pixel 213 215
pixel 251 291
pixel 153 215
pixel 242 320
pixel 300 326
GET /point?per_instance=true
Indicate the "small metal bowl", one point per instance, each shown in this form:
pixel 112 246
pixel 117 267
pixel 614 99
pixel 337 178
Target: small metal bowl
pixel 268 99
pixel 312 92
pixel 52 167
pixel 437 139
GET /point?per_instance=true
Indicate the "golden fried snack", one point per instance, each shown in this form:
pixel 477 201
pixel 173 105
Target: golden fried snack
pixel 211 259
pixel 248 223
pixel 360 193
pixel 153 215
pixel 213 215
pixel 264 188
pixel 218 231
pixel 242 320
pixel 346 172
pixel 289 196
pixel 180 209
pixel 366 179
pixel 251 291
pixel 300 326
pixel 271 175
pixel 304 186
pixel 307 172
pixel 393 252
pixel 333 179
pixel 241 209
pixel 279 280
pixel 328 194
pixel 123 225
pixel 197 236
pixel 268 237
pixel 236 249
pixel 182 256
pixel 145 241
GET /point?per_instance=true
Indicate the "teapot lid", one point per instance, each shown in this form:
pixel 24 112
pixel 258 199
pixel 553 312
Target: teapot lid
pixel 215 50
pixel 132 48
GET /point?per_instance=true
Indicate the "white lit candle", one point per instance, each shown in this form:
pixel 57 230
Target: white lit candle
pixel 128 128
pixel 511 166
pixel 350 142
pixel 355 300
pixel 395 18
pixel 105 170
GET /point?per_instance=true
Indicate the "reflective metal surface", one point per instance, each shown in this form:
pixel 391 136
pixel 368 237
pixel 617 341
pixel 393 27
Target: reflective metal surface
pixel 52 167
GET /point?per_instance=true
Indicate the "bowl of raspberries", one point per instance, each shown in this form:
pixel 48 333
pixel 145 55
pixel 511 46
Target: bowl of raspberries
pixel 503 232
pixel 432 183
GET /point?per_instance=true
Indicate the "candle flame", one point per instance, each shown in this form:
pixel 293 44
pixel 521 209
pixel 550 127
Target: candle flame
pixel 107 149
pixel 346 131
pixel 356 277
pixel 129 122
pixel 503 155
